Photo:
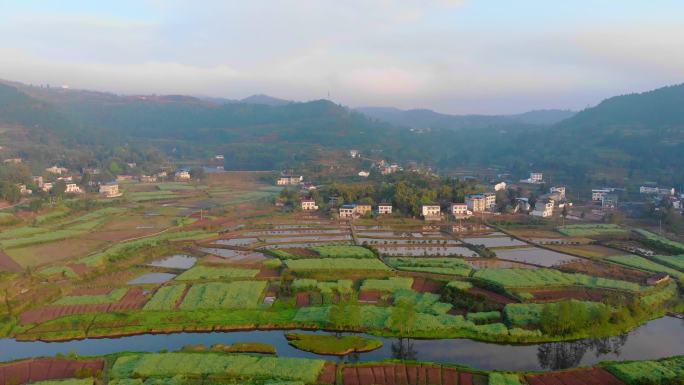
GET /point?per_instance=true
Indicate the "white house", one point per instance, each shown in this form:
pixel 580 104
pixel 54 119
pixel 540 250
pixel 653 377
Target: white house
pixel 543 208
pixel 500 186
pixel 364 174
pixel 57 170
pixel 308 205
pixel 287 180
pixel 490 201
pixel 656 190
pixel 72 188
pixel 598 193
pixel 347 211
pixel 23 190
pixel 110 190
pixel 219 157
pixel 182 175
pixel 354 153
pixel 384 209
pixel 47 186
pixel 432 212
pixel 460 210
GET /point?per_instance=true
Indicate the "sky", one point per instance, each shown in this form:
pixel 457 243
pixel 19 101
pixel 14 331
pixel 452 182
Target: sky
pixel 453 56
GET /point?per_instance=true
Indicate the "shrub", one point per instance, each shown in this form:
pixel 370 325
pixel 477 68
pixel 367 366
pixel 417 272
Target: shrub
pixel 522 278
pixel 460 285
pixel 663 371
pixel 483 317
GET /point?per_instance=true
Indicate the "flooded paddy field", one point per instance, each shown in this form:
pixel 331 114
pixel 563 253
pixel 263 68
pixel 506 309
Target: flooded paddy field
pixel 418 251
pixel 406 241
pixel 178 261
pixel 536 256
pixel 496 241
pixel 234 255
pixel 151 278
pixel 239 242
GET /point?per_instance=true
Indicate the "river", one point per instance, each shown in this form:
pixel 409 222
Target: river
pixel 659 338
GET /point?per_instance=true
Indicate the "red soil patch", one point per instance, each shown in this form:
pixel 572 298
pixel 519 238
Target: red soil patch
pixel 397 374
pixel 490 295
pixel 28 371
pixel 8 264
pixel 268 273
pixel 303 299
pixel 92 291
pixel 328 374
pixel 555 295
pixel 591 376
pixel 80 268
pixel 605 270
pixel 370 296
pixel 426 285
pixel 134 299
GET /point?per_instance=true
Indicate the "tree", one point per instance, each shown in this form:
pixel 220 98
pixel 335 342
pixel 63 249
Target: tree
pixel 403 317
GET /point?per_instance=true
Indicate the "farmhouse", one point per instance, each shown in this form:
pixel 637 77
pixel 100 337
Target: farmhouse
pixel 287 180
pixel 308 205
pixel 656 190
pixel 363 209
pixel 148 178
pixel 559 190
pixel 12 160
pixel 354 153
pixel 110 190
pixel 460 210
pixel 23 190
pixel 347 211
pixel 432 212
pixel 124 178
pixel 535 177
pixel 476 203
pixel 597 194
pixel 72 188
pixel 609 202
pixel 182 175
pixel 384 209
pixel 543 208
pixel 57 170
pixel 47 186
pixel 38 180
pixel 364 174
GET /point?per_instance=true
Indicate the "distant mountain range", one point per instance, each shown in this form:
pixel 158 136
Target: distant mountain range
pixel 642 132
pixel 424 118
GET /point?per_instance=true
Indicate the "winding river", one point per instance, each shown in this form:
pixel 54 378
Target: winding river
pixel 659 338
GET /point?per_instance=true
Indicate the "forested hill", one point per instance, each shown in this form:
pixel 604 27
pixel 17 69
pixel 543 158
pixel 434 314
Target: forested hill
pixel 424 118
pixel 653 110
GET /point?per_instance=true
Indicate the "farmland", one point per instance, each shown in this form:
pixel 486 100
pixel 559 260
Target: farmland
pixel 448 266
pixel 214 273
pixel 219 295
pixel 644 264
pixel 333 264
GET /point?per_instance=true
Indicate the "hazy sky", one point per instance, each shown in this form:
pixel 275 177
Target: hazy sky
pixel 458 56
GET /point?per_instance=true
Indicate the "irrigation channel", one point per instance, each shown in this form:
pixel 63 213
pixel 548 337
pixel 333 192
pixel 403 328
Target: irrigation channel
pixel 659 338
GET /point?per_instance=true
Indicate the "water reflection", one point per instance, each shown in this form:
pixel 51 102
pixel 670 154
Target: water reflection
pixel 403 349
pixel 564 355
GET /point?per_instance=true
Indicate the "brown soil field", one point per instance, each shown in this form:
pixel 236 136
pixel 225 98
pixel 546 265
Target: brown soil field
pixel 54 251
pixel 92 291
pixel 303 299
pixel 492 296
pixel 589 251
pixel 555 295
pixel 301 252
pixel 134 299
pixel 426 285
pixel 328 374
pixel 41 369
pixel 605 270
pixel 591 376
pixel 398 374
pixel 268 273
pixel 8 264
pixel 370 296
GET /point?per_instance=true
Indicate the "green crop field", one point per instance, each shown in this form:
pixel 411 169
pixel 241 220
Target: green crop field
pixel 592 230
pixel 19 232
pixel 343 286
pixel 504 379
pixel 518 278
pixel 335 264
pixel 151 195
pixel 460 285
pixel 41 237
pixel 208 272
pixel 389 285
pixel 644 264
pixel 220 365
pixel 67 381
pixel 447 266
pixel 53 270
pixel 674 261
pixel 222 295
pixel 165 298
pixel 338 251
pixel 662 241
pixel 112 297
pixel 663 371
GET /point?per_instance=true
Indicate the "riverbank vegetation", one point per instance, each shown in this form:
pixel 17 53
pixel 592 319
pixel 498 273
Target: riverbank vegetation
pixel 327 344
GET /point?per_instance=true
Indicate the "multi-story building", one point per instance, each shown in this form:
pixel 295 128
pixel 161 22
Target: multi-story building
pixel 384 209
pixel 536 177
pixel 490 201
pixel 347 211
pixel 110 190
pixel 47 186
pixel 287 180
pixel 597 194
pixel 560 190
pixel 476 203
pixel 609 202
pixel 23 190
pixel 432 212
pixel 72 188
pixel 308 205
pixel 460 210
pixel 182 175
pixel 656 190
pixel 363 209
pixel 543 208
pixel 57 170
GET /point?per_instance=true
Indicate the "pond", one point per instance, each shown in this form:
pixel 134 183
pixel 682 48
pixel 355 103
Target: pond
pixel 537 256
pixel 494 241
pixel 152 278
pixel 659 338
pixel 178 261
pixel 233 255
